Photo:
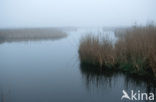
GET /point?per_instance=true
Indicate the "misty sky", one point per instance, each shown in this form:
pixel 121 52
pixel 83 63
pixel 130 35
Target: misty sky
pixel 59 13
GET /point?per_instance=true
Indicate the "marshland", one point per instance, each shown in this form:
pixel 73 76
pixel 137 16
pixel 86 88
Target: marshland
pixel 30 34
pixel 77 50
pixel 47 69
pixel 133 52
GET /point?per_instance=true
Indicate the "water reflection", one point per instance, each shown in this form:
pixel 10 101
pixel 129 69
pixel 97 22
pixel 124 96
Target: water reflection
pixel 94 76
pixel 96 79
pixel 5 95
pixel 44 72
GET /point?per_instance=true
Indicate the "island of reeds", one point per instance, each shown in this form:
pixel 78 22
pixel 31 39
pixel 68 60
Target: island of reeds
pixel 31 34
pixel 134 51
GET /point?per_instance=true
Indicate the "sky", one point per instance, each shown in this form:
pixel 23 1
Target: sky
pixel 60 13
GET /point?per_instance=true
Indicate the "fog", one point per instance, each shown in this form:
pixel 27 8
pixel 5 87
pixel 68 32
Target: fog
pixel 60 13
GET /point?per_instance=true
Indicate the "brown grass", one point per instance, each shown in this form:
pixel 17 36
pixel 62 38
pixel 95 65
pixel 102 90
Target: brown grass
pixel 134 51
pixel 31 34
pixel 97 52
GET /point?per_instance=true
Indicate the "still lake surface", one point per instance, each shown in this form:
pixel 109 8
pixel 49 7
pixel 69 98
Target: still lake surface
pixel 50 71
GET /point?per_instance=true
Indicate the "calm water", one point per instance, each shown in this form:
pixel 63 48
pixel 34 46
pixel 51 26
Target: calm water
pixel 50 71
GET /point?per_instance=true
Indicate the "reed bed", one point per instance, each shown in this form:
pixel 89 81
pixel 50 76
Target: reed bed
pixel 133 52
pixel 31 34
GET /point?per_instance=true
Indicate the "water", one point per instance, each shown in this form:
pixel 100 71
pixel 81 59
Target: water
pixel 50 71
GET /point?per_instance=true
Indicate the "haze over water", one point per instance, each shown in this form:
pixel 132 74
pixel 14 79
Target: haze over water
pixel 50 71
pixel 39 67
pixel 58 13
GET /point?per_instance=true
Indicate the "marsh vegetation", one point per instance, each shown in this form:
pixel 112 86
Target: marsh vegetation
pixel 133 52
pixel 31 34
pixel 46 70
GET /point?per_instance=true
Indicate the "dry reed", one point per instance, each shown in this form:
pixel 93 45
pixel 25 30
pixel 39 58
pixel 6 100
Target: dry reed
pixel 134 51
